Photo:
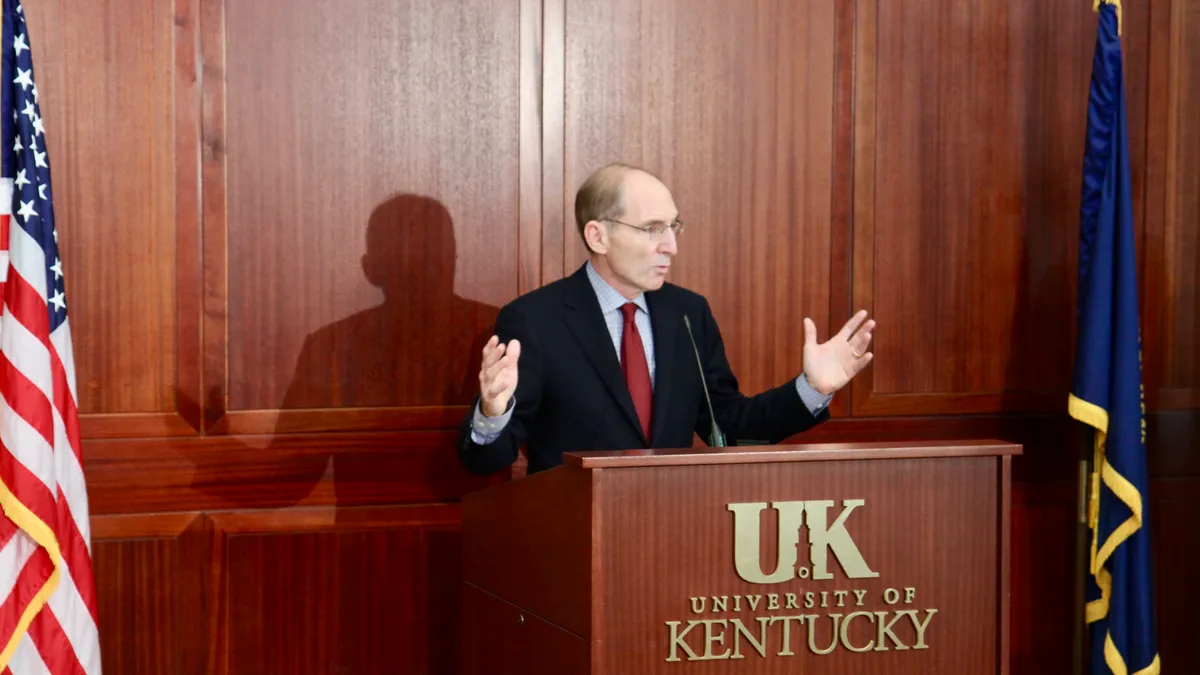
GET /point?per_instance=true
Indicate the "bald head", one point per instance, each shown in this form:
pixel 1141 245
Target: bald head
pixel 606 194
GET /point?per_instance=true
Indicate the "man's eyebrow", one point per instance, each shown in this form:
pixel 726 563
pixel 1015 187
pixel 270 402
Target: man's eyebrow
pixel 661 221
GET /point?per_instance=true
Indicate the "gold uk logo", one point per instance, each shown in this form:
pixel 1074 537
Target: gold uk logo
pixel 792 516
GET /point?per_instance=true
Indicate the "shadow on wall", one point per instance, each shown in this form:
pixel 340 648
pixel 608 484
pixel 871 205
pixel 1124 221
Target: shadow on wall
pixel 421 346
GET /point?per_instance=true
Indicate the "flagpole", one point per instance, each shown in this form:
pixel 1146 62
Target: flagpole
pixel 1081 555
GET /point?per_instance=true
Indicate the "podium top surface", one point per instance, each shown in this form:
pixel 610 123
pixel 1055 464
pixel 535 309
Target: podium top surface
pixel 815 452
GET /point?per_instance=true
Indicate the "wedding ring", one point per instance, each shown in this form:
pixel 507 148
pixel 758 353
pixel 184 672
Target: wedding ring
pixel 857 355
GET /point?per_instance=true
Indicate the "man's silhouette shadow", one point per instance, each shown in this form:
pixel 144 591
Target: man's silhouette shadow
pixel 420 347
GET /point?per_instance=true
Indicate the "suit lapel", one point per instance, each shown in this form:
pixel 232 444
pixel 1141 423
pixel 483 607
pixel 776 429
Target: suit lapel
pixel 664 321
pixel 586 323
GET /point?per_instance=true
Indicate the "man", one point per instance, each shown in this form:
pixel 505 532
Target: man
pixel 601 360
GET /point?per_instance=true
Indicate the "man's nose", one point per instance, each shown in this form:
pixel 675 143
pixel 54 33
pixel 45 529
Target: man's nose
pixel 669 244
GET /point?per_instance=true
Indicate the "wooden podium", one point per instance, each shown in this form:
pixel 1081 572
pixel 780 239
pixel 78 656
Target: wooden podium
pixel 846 559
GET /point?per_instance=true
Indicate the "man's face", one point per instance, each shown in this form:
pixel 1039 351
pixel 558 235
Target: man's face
pixel 639 260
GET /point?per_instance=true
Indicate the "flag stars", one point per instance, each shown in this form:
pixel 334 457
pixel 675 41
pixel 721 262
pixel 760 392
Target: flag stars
pixel 29 189
pixel 59 301
pixel 26 211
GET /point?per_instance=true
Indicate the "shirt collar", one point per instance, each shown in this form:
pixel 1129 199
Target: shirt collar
pixel 610 298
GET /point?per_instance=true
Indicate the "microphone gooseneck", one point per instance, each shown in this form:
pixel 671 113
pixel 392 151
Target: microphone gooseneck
pixel 716 439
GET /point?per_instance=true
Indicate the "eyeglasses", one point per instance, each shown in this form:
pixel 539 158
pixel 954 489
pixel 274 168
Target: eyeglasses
pixel 655 230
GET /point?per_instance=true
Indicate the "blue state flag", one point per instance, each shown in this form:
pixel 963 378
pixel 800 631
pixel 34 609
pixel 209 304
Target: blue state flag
pixel 1107 391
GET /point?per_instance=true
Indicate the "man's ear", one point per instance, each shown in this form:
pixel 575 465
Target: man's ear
pixel 596 236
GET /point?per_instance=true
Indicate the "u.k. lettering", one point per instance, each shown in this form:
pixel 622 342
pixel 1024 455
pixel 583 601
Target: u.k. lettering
pixel 823 537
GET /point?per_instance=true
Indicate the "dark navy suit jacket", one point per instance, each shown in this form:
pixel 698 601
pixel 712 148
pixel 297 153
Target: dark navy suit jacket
pixel 571 394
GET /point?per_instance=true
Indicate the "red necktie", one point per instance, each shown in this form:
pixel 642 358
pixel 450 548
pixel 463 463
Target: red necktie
pixel 637 371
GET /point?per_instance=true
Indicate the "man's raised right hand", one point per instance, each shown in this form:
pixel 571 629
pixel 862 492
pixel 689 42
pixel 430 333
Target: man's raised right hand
pixel 498 376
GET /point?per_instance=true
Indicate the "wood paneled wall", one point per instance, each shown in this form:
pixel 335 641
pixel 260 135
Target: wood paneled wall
pixel 287 226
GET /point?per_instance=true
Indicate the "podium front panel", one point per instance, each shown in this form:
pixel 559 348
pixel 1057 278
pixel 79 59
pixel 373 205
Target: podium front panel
pixel 500 638
pixel 865 567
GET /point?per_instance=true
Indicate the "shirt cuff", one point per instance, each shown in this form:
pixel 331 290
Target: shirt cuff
pixel 486 429
pixel 814 400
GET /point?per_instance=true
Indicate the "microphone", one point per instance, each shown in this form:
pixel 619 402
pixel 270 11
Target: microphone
pixel 716 439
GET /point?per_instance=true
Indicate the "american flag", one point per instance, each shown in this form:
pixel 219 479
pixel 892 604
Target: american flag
pixel 48 621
